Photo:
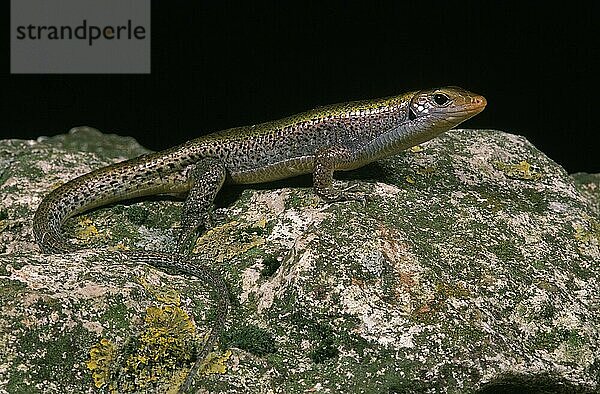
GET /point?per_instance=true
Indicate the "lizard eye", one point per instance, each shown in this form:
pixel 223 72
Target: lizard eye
pixel 441 99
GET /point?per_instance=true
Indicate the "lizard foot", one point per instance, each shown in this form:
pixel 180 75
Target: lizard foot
pixel 350 193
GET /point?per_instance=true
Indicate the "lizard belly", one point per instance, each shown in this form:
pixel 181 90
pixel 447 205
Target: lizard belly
pixel 273 171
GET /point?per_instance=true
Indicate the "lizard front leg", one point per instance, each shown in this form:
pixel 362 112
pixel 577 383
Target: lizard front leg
pixel 206 178
pixel 327 160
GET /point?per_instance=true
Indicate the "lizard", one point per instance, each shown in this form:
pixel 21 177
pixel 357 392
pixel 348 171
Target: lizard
pixel 338 137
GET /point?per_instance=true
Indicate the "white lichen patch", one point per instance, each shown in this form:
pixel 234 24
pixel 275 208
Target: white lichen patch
pixel 250 278
pixel 153 239
pixel 377 322
pixel 92 290
pixel 287 275
pixel 93 326
pixel 385 190
pixel 292 224
pixel 264 202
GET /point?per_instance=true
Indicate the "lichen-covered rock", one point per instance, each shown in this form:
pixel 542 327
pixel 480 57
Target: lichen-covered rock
pixel 589 186
pixel 474 266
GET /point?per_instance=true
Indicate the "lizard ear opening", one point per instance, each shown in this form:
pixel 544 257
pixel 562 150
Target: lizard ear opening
pixel 411 114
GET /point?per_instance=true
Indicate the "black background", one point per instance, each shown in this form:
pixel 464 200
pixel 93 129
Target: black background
pixel 217 65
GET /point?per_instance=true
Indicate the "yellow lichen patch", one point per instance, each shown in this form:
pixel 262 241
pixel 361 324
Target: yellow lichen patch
pixel 101 358
pixel 215 363
pixel 221 229
pixel 226 241
pixel 121 246
pixel 410 180
pixel 260 223
pixel 581 234
pixel 165 343
pixel 169 330
pixel 86 229
pixel 177 380
pixel 523 170
pixel 588 237
pixel 416 149
pixel 167 296
pixel 584 235
pixel 426 171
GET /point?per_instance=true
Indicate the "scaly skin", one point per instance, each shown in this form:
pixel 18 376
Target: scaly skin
pixel 327 139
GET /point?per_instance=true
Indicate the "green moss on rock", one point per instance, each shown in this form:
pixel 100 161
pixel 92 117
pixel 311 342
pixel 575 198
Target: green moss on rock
pixel 251 338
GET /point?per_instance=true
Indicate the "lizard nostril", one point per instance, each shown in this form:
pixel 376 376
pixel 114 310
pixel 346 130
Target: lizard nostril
pixel 480 100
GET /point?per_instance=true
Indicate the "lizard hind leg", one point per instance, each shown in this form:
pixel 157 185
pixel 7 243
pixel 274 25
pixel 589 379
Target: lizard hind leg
pixel 206 178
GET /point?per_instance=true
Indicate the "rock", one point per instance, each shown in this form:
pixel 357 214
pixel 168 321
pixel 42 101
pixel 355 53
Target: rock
pixel 473 268
pixel 589 186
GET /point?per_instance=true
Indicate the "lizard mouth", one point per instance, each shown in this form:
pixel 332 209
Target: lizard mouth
pixel 470 108
pixel 474 104
pixel 478 104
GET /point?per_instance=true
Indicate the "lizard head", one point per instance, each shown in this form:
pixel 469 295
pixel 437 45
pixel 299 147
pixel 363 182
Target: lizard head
pixel 445 107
